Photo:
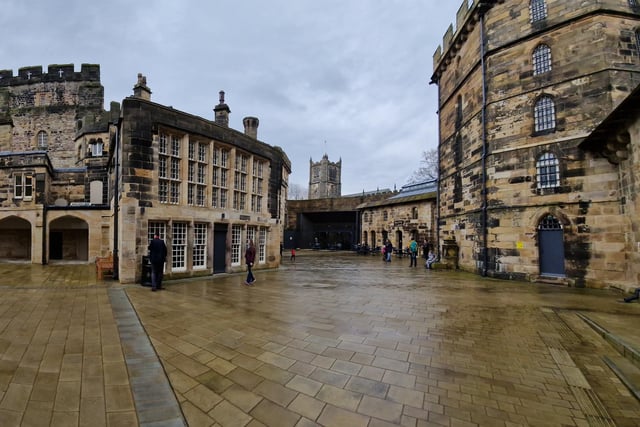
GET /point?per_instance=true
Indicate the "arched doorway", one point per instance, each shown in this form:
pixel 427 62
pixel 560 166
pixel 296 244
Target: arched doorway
pixel 15 239
pixel 373 240
pixel 68 239
pixel 551 247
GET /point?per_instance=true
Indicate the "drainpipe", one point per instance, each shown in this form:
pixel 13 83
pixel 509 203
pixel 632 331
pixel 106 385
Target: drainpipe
pixel 44 233
pixel 485 233
pixel 116 197
pixel 437 245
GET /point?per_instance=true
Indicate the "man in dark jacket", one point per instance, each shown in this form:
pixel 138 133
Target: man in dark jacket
pixel 157 256
pixel 250 257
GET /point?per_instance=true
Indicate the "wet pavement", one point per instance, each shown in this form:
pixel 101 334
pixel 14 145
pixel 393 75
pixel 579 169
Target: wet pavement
pixel 331 340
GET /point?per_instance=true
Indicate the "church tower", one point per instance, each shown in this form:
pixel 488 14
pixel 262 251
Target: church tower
pixel 324 178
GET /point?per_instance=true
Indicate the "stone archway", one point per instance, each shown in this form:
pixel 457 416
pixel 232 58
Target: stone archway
pixel 68 239
pixel 15 239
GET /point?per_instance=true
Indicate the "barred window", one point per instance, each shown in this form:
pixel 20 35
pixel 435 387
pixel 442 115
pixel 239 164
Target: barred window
pixel 548 171
pixel 541 59
pixel 544 114
pixel 537 10
pixel 638 42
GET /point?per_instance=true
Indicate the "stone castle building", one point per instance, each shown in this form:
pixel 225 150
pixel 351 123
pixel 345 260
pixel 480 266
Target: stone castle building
pixel 324 178
pixel 521 87
pixel 79 182
pixel 409 213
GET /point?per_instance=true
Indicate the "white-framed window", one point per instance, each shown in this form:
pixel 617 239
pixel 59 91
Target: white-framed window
pixel 159 228
pixel 544 114
pixel 236 243
pixel 220 163
pixel 179 246
pixel 541 59
pixel 169 164
pixel 537 10
pixel 262 245
pixel 156 227
pixel 43 140
pixel 251 235
pixel 547 171
pixel 23 185
pixel 256 203
pixel 196 174
pixel 256 185
pixel 199 246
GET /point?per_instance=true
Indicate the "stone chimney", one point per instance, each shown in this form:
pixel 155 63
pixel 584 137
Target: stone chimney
pixel 221 112
pixel 251 126
pixel 141 90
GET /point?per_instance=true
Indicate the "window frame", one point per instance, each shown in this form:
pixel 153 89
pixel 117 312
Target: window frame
pixel 537 10
pixel 541 59
pixel 23 186
pixel 43 140
pixel 179 235
pixel 544 115
pixel 547 171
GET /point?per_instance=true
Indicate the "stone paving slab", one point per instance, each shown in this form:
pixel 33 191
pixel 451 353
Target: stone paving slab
pixel 331 340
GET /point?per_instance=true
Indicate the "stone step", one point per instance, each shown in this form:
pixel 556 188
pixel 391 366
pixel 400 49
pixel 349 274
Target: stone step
pixel 626 371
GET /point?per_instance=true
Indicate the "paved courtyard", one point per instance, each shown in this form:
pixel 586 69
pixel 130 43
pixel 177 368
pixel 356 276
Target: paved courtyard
pixel 331 340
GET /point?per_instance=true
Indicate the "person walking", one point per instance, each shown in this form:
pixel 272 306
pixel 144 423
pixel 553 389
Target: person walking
pixel 157 256
pixel 413 253
pixel 293 255
pixel 250 257
pixel 389 250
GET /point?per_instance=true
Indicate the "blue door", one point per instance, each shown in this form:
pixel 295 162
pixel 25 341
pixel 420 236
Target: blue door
pixel 551 247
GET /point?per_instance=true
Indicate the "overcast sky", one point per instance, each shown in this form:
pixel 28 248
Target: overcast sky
pixel 349 78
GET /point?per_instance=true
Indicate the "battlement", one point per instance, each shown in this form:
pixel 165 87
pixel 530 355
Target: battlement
pixel 466 11
pixel 55 73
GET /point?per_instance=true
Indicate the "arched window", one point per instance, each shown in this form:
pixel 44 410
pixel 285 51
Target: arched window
pixel 537 10
pixel 414 212
pixel 541 59
pixel 544 114
pixel 547 171
pixel 43 140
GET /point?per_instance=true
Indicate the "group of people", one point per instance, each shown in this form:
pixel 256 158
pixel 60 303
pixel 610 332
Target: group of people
pixel 412 249
pixel 158 257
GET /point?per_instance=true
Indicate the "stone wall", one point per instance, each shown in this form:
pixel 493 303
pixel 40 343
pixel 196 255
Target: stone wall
pixel 594 67
pixel 51 102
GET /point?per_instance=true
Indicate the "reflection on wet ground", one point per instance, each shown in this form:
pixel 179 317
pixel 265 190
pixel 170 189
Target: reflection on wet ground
pixel 332 339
